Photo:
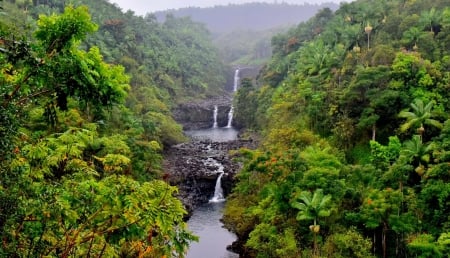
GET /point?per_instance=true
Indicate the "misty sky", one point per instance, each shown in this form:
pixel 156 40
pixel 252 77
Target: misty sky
pixel 142 7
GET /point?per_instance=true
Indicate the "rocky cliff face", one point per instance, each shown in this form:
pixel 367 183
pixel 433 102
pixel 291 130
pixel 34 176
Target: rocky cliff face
pixel 199 115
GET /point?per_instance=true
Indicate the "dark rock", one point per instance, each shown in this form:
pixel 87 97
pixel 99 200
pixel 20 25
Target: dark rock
pixel 199 115
pixel 193 168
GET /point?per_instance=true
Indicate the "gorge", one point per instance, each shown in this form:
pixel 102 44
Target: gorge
pixel 350 117
pixel 203 170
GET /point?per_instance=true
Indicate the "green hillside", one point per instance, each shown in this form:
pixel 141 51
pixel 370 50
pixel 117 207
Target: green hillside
pixel 353 112
pixel 85 110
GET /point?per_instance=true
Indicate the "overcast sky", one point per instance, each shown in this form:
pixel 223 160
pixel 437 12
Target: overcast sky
pixel 142 7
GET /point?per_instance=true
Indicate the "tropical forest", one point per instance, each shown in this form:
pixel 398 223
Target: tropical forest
pixel 340 135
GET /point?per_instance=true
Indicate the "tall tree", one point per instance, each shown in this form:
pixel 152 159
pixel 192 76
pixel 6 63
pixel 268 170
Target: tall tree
pixel 417 153
pixel 421 114
pixel 431 19
pixel 313 206
pixel 54 69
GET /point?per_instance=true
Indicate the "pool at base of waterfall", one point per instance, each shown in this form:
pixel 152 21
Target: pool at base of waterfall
pixel 205 223
pixel 221 134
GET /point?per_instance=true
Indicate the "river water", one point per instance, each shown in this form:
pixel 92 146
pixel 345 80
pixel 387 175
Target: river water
pixel 205 220
pixel 205 223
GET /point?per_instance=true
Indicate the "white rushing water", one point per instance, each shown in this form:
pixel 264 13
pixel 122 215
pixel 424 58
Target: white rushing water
pixel 218 191
pixel 216 111
pixel 236 80
pixel 230 117
pixel 235 87
pixel 219 134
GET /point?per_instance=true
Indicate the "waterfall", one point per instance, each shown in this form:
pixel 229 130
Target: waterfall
pixel 218 191
pixel 216 110
pixel 236 80
pixel 230 117
pixel 235 86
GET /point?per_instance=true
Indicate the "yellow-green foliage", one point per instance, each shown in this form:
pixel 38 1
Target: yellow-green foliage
pixel 77 180
pixel 349 243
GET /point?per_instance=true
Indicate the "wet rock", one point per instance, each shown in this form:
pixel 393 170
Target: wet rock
pixel 194 167
pixel 199 114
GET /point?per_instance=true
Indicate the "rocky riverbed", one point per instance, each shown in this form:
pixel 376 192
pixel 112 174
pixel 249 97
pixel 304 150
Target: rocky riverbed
pixel 192 167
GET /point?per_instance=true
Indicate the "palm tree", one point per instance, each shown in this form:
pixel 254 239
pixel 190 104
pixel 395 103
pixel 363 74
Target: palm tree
pixel 414 151
pixel 368 29
pixel 421 114
pixel 430 19
pixel 412 35
pixel 312 207
pixel 446 17
pixel 316 58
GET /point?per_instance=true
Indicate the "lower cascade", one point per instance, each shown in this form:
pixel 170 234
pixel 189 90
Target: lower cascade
pixel 218 191
pixel 205 222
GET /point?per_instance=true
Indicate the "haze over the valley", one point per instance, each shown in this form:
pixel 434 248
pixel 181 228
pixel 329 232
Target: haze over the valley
pixel 141 7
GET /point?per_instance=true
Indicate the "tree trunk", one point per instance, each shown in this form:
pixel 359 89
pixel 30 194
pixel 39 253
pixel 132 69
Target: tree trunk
pixel 383 239
pixel 315 245
pixel 374 242
pixel 315 240
pixel 374 132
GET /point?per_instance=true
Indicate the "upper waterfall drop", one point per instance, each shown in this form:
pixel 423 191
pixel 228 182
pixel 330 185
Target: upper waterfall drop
pixel 235 87
pixel 216 111
pixel 236 80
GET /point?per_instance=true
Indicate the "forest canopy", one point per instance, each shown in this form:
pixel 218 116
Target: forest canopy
pixel 86 97
pixel 353 112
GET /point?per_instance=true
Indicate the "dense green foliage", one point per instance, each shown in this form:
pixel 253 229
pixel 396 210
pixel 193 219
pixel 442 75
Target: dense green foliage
pixel 354 158
pixel 85 112
pixel 352 109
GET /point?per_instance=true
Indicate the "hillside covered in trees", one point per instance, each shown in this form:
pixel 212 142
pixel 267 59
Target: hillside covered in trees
pixel 354 160
pixel 85 113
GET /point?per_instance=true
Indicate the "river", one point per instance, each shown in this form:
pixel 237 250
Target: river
pixel 205 223
pixel 205 220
